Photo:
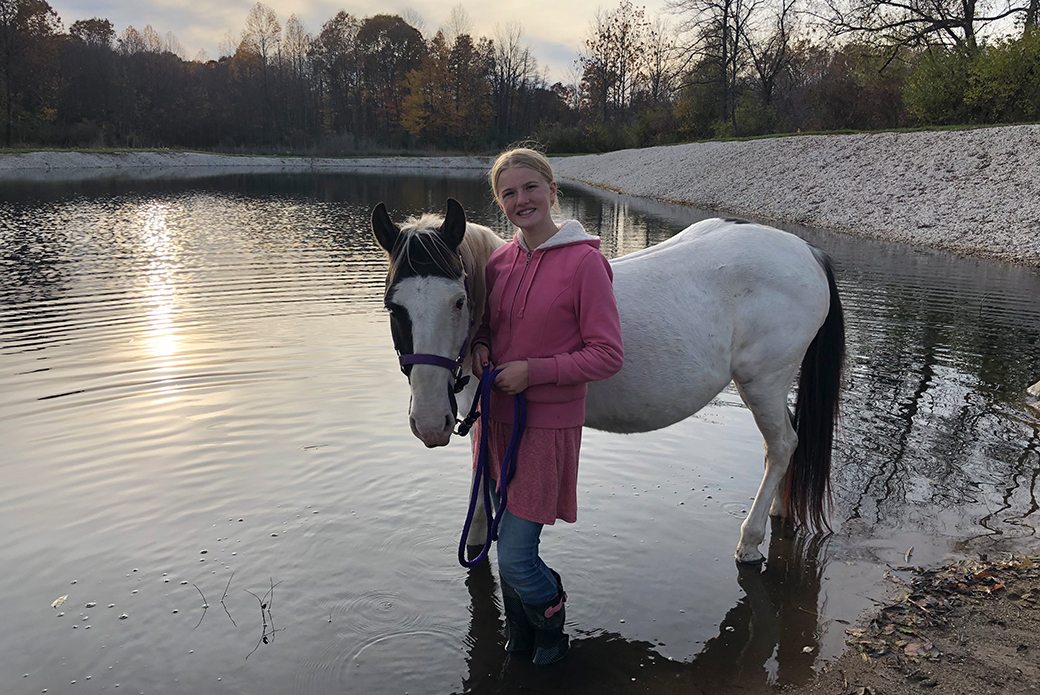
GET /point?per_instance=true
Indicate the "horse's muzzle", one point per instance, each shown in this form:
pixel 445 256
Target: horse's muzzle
pixel 434 437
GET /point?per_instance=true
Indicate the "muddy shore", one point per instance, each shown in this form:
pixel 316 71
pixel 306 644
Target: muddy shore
pixel 972 627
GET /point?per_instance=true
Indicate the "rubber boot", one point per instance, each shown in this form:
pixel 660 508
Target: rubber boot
pixel 550 642
pixel 521 632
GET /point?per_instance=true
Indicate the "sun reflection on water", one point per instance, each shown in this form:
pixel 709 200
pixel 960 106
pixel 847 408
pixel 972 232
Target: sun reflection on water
pixel 162 339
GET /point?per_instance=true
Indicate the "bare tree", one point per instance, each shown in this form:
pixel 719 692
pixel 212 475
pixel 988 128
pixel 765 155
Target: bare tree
pixel 459 24
pixel 915 23
pixel 613 58
pixel 131 42
pixel 263 34
pixel 153 42
pixel 513 75
pixel 660 61
pixel 771 52
pixel 715 32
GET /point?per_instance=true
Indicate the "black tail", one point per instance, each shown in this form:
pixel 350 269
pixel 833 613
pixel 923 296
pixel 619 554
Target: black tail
pixel 807 494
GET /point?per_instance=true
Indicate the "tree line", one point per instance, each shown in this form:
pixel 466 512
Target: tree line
pixel 381 83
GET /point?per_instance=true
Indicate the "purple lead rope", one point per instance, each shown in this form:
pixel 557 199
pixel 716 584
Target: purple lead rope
pixel 482 474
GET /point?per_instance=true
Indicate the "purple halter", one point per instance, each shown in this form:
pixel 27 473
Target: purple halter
pixel 453 366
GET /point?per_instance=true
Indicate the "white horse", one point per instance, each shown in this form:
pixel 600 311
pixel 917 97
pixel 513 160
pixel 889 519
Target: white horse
pixel 721 301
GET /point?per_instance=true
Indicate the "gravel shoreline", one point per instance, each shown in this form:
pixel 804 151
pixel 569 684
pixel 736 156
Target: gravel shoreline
pixel 969 192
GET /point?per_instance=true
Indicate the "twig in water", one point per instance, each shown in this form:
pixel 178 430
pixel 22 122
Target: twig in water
pixel 225 596
pixel 266 637
pixel 205 606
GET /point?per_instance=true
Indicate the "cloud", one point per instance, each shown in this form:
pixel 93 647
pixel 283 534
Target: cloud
pixel 556 30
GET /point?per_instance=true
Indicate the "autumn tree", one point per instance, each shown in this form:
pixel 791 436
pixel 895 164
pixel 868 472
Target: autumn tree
pixel 612 59
pixel 89 85
pixel 29 65
pixel 338 70
pixel 296 44
pixel 448 97
pixel 389 48
pixel 96 33
pixel 262 39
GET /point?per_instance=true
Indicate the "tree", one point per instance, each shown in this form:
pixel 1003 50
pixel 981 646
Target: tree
pixel 89 81
pixel 771 53
pixel 96 33
pixel 389 49
pixel 717 32
pixel 901 24
pixel 613 58
pixel 296 45
pixel 337 66
pixel 659 62
pixel 514 73
pixel 131 42
pixel 29 64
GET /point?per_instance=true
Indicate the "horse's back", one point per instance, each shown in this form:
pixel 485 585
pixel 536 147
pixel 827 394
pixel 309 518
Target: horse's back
pixel 715 302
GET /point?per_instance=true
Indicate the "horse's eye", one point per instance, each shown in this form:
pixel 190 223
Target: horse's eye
pixel 459 304
pixel 389 310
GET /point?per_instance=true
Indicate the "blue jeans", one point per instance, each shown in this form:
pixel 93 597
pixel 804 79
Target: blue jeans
pixel 518 561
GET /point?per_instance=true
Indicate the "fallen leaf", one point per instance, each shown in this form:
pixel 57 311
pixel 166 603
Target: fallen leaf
pixel 917 648
pixel 59 601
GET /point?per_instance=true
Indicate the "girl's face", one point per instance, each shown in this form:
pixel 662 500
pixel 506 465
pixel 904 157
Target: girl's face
pixel 525 197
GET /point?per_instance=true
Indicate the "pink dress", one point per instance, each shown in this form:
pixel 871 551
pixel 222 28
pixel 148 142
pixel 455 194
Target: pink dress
pixel 544 487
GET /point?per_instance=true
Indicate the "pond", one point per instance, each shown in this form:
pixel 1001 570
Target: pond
pixel 205 452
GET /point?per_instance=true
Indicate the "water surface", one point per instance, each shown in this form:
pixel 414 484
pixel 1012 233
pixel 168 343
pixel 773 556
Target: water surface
pixel 200 406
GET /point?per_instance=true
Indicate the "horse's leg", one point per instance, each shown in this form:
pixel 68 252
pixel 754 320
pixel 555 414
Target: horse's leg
pixel 478 528
pixel 766 397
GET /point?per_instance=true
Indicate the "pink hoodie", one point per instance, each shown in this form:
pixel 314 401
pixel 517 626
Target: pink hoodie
pixel 553 306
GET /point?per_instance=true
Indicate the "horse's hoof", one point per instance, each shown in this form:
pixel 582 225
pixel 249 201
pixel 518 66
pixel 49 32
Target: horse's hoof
pixel 751 558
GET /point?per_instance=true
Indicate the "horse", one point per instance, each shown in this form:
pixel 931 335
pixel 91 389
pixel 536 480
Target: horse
pixel 722 301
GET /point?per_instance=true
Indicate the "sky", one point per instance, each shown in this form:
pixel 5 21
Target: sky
pixel 555 30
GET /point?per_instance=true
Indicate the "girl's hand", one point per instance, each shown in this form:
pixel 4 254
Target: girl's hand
pixel 481 358
pixel 513 379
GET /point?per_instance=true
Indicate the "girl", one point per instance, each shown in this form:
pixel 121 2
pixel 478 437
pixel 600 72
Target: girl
pixel 551 325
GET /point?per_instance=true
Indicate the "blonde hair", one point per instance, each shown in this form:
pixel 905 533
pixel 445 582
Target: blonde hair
pixel 527 158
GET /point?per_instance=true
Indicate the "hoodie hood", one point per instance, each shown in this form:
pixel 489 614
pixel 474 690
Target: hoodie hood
pixel 570 232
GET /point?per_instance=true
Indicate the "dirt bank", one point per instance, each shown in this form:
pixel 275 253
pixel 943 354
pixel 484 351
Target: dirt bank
pixel 971 628
pixel 971 192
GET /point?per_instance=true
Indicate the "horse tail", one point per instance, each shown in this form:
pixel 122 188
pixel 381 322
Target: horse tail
pixel 807 495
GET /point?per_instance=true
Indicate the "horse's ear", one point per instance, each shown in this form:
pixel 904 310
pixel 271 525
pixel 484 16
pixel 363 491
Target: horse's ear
pixel 454 227
pixel 383 227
